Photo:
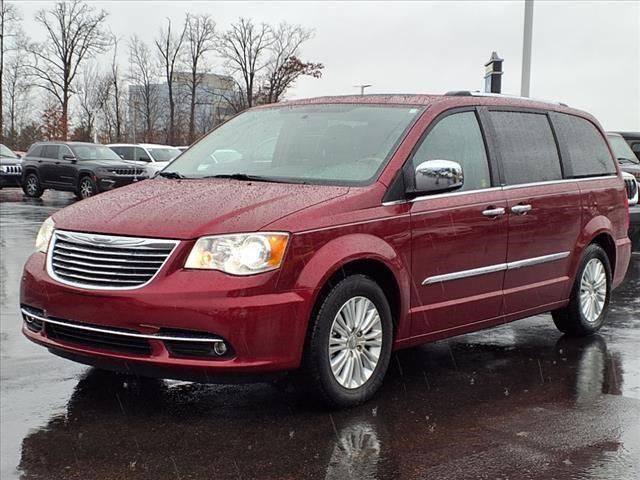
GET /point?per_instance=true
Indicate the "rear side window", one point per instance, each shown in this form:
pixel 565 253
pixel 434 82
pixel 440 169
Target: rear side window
pixel 35 151
pixel 586 149
pixel 51 151
pixel 457 137
pixel 527 147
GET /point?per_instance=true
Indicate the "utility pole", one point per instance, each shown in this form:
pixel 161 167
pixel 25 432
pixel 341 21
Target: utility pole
pixel 526 48
pixel 362 87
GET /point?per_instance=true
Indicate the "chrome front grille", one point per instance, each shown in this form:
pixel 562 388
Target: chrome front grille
pixel 104 261
pixel 13 169
pixel 128 172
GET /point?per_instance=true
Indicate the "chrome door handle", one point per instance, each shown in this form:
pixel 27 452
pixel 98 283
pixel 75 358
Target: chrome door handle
pixel 493 212
pixel 520 209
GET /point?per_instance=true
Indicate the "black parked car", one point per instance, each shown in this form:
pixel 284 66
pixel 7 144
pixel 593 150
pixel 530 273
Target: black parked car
pixel 10 168
pixel 82 168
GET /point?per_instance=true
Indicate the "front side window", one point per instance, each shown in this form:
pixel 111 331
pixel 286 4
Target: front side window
pixel 458 137
pixel 342 144
pixel 527 147
pixel 141 155
pixel 587 150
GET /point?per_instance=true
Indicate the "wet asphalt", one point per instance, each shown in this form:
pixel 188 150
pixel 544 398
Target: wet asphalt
pixel 514 402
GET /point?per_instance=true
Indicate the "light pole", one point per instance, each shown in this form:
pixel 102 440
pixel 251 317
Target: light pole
pixel 526 48
pixel 362 87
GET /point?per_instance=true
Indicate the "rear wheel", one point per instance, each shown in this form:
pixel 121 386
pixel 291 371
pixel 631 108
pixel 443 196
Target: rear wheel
pixel 86 188
pixel 350 341
pixel 590 295
pixel 31 186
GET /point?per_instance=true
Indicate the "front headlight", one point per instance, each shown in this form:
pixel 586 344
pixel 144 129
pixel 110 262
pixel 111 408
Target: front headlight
pixel 44 235
pixel 241 254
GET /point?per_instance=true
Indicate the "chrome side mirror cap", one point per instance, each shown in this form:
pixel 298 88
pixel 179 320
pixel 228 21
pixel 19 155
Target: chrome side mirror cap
pixel 438 176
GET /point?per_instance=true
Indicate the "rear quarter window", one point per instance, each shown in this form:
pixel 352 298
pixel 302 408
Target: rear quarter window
pixel 527 147
pixel 587 153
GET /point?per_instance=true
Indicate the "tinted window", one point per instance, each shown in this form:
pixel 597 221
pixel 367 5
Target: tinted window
pixel 51 151
pixel 586 149
pixel 527 147
pixel 124 152
pixel 35 151
pixel 457 137
pixel 64 150
pixel 621 149
pixel 141 155
pixel 94 152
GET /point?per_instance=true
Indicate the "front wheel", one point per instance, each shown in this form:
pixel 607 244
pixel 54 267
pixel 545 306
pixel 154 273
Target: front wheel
pixel 86 188
pixel 31 186
pixel 349 344
pixel 590 295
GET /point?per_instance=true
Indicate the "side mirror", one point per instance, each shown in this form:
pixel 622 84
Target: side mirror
pixel 71 158
pixel 438 176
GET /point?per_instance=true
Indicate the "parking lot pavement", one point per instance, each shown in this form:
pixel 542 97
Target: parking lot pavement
pixel 518 401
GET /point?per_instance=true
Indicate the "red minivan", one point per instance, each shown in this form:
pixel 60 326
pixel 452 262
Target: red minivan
pixel 320 235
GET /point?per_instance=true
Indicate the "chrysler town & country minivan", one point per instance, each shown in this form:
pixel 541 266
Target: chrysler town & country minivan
pixel 318 236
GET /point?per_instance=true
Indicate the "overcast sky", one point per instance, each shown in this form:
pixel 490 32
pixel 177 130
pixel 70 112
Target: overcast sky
pixel 586 54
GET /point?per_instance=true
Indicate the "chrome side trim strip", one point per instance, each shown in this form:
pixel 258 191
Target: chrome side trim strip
pixel 500 267
pixel 554 182
pixel 465 274
pixel 528 262
pixel 171 338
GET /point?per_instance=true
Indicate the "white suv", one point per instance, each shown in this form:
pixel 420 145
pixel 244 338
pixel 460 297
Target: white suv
pixel 154 157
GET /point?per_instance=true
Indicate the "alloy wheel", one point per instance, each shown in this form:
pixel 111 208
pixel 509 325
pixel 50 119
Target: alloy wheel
pixel 32 185
pixel 593 290
pixel 355 342
pixel 86 189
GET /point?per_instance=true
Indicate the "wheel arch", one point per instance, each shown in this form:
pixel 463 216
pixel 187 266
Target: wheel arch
pixel 359 254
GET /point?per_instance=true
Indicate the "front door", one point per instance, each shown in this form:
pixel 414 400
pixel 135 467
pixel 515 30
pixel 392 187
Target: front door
pixel 459 239
pixel 543 212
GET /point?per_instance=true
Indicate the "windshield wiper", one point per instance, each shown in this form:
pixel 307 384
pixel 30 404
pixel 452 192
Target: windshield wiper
pixel 171 175
pixel 244 177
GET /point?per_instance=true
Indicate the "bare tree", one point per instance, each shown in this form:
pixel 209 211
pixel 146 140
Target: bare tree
pixel 75 31
pixel 169 47
pixel 16 89
pixel 144 95
pixel 284 66
pixel 9 27
pixel 201 37
pixel 112 101
pixel 90 90
pixel 244 47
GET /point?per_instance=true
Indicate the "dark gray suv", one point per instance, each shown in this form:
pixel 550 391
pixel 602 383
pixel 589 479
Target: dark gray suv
pixel 83 168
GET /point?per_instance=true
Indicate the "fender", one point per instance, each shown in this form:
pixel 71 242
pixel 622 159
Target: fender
pixel 596 226
pixel 357 246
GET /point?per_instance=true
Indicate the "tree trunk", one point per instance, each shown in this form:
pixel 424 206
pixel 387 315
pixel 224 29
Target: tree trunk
pixel 65 117
pixel 192 111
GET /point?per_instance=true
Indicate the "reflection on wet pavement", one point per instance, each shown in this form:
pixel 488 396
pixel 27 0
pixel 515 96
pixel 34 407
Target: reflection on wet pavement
pixel 518 401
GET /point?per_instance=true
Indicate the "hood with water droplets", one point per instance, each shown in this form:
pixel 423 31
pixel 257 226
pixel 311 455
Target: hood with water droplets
pixel 185 209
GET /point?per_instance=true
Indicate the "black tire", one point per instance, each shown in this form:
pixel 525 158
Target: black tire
pixel 86 188
pixel 31 186
pixel 573 319
pixel 316 372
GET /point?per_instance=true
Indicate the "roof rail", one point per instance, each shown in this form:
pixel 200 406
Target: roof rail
pixel 468 93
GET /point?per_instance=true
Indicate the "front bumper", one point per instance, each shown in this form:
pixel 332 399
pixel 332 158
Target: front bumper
pixel 10 180
pixel 265 331
pixel 106 183
pixel 634 216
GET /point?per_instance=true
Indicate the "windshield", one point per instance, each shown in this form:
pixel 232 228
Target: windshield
pixel 5 152
pixel 322 144
pixel 95 152
pixel 621 149
pixel 163 154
